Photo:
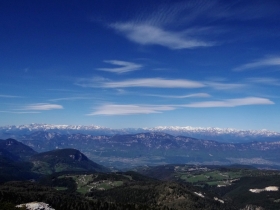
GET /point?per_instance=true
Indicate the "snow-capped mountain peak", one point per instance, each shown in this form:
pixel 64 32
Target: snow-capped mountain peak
pixel 220 134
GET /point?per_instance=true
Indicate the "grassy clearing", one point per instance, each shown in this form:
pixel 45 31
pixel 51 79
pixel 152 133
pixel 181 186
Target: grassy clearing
pixel 41 167
pixel 210 177
pixel 85 183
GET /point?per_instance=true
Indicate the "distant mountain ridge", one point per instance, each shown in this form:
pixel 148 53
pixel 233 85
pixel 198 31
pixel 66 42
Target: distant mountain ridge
pixel 157 148
pixel 126 148
pixel 217 134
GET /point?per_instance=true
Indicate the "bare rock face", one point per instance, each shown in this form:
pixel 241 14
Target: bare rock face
pixel 36 206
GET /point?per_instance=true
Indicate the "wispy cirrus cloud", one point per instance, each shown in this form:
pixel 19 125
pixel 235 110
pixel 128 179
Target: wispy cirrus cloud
pixel 9 96
pixel 231 102
pixel 134 109
pixel 61 90
pixel 264 62
pixel 70 98
pixel 130 109
pixel 171 25
pixel 265 81
pixel 124 66
pixel 154 83
pixel 13 112
pixel 225 86
pixel 145 34
pixel 195 95
pixel 91 82
pixel 157 83
pixel 42 106
pixel 140 82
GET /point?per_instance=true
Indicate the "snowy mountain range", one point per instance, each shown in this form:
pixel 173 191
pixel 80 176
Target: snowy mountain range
pixel 218 134
pixel 210 133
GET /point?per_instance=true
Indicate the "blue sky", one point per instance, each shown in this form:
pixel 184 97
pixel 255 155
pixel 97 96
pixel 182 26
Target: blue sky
pixel 144 63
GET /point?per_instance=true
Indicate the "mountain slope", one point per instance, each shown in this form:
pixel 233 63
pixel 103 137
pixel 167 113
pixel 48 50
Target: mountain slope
pixel 17 149
pixel 14 163
pixel 64 160
pixel 239 184
pixel 10 171
pixel 8 156
pixel 135 196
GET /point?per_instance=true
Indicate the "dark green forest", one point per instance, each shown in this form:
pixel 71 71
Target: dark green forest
pixel 66 179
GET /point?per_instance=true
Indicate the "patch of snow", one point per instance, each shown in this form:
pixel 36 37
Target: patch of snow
pixel 217 199
pixel 270 188
pixel 221 185
pixel 36 206
pixel 199 194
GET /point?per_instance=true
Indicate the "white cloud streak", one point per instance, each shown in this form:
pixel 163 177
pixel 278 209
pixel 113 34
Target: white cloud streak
pixel 195 95
pixel 265 62
pixel 154 83
pixel 69 99
pixel 20 112
pixel 125 66
pixel 42 106
pixel 9 96
pixel 145 34
pixel 134 109
pixel 225 86
pixel 265 81
pixel 115 109
pixel 157 83
pixel 231 102
pixel 91 82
